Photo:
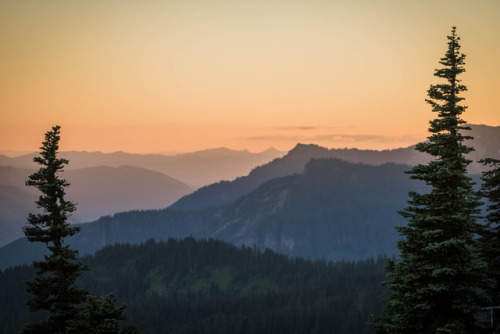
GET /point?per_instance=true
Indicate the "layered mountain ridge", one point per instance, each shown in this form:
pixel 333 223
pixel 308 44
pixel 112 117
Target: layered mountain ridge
pixel 334 210
pixel 195 169
pixel 107 183
pixel 97 191
pixel 485 142
pixel 304 203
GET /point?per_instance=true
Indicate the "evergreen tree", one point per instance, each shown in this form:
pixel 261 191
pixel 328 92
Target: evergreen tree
pixel 53 288
pixel 490 235
pixel 100 317
pixel 435 285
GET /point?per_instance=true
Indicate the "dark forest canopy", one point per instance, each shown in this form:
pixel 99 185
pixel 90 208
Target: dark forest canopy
pixel 210 286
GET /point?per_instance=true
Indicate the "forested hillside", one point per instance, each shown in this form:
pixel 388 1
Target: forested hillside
pixel 210 286
pixel 334 210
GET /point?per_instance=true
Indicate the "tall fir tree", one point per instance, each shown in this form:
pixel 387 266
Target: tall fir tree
pixel 436 283
pixel 54 287
pixel 490 235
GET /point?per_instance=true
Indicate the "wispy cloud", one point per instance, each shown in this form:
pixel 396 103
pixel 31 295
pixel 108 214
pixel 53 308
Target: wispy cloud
pixel 354 137
pixel 274 138
pixel 301 128
pixel 311 128
pixel 334 137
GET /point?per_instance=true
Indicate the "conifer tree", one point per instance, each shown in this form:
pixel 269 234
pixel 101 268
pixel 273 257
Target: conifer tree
pixel 490 236
pixel 101 317
pixel 53 288
pixel 435 284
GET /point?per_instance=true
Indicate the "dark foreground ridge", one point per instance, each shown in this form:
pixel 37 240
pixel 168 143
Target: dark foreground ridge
pixel 210 286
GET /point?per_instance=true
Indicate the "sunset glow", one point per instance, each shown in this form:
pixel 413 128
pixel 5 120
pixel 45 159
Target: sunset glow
pixel 156 76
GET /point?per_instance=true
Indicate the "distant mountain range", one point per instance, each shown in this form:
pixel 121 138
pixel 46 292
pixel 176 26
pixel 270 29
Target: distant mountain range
pixel 334 210
pixel 303 204
pixel 196 169
pixel 97 191
pixel 486 143
pixel 106 183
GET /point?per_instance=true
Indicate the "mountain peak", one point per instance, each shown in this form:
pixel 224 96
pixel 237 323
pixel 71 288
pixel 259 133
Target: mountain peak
pixel 301 149
pixel 272 150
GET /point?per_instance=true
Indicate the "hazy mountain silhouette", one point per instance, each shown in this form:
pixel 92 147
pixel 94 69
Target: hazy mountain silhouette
pixel 335 209
pixel 98 191
pixel 16 201
pixel 213 210
pixel 486 139
pixel 105 190
pixel 195 169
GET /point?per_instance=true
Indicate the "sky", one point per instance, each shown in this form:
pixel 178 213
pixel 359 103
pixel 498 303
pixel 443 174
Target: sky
pixel 147 76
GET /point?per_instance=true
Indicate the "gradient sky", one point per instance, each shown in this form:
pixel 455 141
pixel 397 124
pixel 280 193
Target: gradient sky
pixel 184 75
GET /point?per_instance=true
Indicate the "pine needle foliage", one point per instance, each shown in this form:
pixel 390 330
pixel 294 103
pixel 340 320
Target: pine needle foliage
pixel 436 283
pixel 53 288
pixel 101 317
pixel 490 235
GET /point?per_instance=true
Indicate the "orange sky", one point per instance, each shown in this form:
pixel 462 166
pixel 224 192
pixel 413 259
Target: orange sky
pixel 158 75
